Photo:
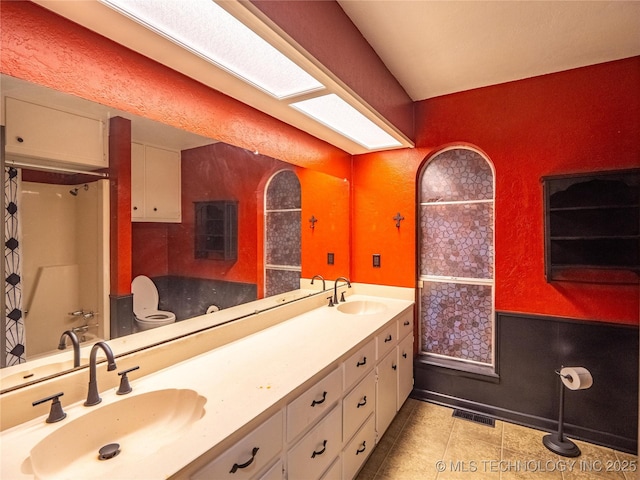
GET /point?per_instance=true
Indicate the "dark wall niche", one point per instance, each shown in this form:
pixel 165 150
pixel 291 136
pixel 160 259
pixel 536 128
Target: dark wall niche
pixel 592 227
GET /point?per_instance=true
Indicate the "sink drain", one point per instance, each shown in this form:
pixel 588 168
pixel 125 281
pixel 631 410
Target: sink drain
pixel 109 451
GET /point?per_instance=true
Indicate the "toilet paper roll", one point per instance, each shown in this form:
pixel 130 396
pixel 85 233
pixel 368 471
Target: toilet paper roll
pixel 576 378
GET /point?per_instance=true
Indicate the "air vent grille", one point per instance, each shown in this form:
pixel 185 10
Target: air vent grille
pixel 474 417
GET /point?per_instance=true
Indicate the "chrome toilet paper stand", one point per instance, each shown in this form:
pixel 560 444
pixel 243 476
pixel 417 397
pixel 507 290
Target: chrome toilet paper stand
pixel 557 442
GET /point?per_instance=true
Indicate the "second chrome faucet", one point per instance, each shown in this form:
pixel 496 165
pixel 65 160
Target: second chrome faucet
pixel 93 398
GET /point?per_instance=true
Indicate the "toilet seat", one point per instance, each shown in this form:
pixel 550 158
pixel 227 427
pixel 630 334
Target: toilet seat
pixel 145 304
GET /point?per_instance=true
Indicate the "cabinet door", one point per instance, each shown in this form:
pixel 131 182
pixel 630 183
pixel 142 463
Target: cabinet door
pixel 405 369
pixel 54 136
pixel 386 391
pixel 162 185
pixel 249 456
pixel 137 181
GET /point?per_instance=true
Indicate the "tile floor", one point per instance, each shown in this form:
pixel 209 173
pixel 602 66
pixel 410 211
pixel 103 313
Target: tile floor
pixel 425 442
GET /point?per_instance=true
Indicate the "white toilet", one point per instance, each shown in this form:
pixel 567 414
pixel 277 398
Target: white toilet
pixel 145 304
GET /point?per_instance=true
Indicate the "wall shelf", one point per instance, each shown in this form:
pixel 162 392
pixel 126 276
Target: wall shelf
pixel 216 230
pixel 592 227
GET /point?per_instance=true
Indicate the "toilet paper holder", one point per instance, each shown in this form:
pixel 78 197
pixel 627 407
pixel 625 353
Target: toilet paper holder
pixel 557 442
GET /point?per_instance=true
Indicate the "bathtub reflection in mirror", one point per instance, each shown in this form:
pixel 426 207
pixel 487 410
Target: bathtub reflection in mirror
pixel 64 252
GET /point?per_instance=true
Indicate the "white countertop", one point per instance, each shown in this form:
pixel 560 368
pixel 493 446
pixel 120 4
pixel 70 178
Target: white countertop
pixel 245 379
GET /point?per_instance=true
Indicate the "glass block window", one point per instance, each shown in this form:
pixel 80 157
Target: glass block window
pixel 283 233
pixel 457 257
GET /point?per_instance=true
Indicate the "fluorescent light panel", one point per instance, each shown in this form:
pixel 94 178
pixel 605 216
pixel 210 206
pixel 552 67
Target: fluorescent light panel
pixel 335 113
pixel 209 31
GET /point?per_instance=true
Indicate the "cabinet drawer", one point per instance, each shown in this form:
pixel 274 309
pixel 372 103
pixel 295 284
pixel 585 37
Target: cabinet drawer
pixel 358 405
pixel 387 339
pixel 358 449
pixel 317 449
pixel 358 364
pixel 249 456
pixel 334 472
pixel 309 406
pixel 274 473
pixel 405 324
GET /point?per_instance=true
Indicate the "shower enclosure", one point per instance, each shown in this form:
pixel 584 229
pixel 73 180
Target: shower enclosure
pixel 63 260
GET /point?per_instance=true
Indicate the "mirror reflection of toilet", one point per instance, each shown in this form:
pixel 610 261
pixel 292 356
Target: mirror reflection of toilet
pixel 145 304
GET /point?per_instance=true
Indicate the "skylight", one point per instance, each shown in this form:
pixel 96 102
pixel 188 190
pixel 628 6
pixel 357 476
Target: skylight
pixel 335 113
pixel 207 30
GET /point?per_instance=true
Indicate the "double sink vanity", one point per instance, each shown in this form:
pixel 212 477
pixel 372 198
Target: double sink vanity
pixel 301 391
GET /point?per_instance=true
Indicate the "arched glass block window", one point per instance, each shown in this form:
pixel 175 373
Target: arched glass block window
pixel 283 234
pixel 457 257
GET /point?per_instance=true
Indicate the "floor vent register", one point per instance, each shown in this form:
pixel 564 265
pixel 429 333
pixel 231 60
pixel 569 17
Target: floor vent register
pixel 474 417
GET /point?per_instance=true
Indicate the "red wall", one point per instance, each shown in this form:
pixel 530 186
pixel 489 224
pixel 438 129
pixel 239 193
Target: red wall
pixel 586 119
pixel 43 48
pixel 222 172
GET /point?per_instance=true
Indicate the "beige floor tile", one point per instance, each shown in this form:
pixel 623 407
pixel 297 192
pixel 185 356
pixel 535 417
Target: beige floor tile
pixel 406 463
pixel 467 457
pixel 485 433
pixel 596 462
pixel 526 441
pixel 525 466
pixel 629 465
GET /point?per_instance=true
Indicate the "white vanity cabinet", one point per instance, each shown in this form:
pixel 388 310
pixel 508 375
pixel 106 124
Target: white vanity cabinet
pixel 311 405
pixel 328 431
pixel 250 456
pixel 53 136
pixel 155 184
pixel 317 450
pixel 358 449
pixel 394 370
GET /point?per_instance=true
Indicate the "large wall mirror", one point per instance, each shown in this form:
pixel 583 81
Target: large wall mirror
pixel 286 222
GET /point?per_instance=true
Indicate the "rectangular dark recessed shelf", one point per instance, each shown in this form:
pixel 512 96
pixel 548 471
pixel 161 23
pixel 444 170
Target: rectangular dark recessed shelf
pixel 592 227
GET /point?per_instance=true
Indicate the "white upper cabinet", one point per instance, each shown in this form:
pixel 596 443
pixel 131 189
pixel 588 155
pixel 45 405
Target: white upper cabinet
pixel 53 137
pixel 155 184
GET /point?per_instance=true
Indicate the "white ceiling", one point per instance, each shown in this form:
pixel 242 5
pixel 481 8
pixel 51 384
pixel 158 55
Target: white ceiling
pixel 439 47
pixel 432 47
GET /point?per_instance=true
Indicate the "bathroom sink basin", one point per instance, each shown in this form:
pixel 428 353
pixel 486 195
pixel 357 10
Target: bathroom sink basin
pixel 140 424
pixel 362 307
pixel 30 374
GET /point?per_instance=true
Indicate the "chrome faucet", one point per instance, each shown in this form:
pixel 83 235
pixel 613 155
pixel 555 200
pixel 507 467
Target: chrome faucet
pixel 324 285
pixel 93 398
pixel 335 289
pixel 62 345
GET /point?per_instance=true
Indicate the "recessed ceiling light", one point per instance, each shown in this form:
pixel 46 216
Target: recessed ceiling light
pixel 338 115
pixel 208 30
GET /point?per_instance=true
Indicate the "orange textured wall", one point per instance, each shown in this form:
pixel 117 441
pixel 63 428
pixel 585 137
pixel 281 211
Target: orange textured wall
pixel 43 48
pixel 49 50
pixel 586 119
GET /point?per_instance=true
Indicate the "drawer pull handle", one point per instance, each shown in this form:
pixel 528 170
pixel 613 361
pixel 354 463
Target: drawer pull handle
pixel 235 467
pixel 394 366
pixel 363 402
pixel 324 447
pixel 388 339
pixel 404 355
pixel 318 402
pixel 407 323
pixel 363 362
pixel 361 450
